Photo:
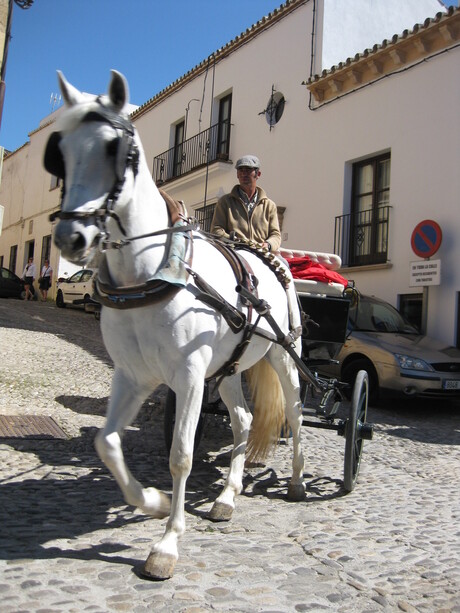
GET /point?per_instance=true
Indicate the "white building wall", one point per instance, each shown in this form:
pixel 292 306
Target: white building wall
pixel 350 27
pixel 278 57
pixel 415 116
pixel 307 157
pixel 25 187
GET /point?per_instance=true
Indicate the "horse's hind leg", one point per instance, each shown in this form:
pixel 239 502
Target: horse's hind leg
pixel 240 416
pixel 125 401
pixel 289 379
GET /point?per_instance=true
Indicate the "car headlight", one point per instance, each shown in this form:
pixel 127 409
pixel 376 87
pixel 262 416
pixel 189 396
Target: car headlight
pixel 408 362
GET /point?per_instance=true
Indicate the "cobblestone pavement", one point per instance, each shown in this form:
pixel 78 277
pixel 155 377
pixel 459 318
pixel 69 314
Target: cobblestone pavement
pixel 69 543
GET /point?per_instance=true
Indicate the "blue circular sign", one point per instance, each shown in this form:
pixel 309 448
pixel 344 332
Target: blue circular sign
pixel 426 238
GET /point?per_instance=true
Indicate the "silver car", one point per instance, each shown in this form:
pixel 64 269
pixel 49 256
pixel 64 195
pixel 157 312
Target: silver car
pixel 398 359
pixel 77 289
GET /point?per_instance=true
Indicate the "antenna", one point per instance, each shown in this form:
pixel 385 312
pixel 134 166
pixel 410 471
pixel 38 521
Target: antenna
pixel 55 100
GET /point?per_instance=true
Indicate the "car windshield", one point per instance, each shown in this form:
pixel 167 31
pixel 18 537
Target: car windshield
pixel 76 278
pixel 376 316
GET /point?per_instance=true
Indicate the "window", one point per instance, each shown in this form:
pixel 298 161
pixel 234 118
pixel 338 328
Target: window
pixel 29 249
pixel 55 182
pixel 77 277
pixel 223 132
pixel 13 258
pixel 410 306
pixel 46 249
pixel 370 211
pixel 86 276
pixel 457 340
pixel 1 261
pixel 204 216
pixel 178 149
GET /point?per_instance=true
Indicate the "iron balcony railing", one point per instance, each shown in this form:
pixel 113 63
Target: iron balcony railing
pixel 209 146
pixel 204 216
pixel 362 238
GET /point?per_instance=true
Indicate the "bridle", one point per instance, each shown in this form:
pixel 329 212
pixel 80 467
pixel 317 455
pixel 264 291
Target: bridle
pixel 127 156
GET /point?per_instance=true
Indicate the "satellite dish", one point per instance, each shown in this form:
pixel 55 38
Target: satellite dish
pixel 275 108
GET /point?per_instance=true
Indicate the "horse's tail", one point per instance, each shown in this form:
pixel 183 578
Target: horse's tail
pixel 268 414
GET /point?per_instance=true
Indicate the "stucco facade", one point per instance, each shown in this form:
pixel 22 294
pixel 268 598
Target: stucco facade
pixel 406 109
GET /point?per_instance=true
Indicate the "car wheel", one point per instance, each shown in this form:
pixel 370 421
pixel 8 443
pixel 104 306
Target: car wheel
pixel 22 295
pixel 350 372
pixel 87 299
pixel 60 300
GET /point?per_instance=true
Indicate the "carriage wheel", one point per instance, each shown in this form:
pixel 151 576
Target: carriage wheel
pixel 170 419
pixel 355 429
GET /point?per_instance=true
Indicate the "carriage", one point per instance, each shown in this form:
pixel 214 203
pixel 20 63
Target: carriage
pixel 173 317
pixel 326 305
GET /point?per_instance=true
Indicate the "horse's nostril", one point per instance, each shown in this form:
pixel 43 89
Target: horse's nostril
pixel 78 241
pixel 70 243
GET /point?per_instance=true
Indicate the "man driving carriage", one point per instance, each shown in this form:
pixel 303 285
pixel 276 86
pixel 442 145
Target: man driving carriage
pixel 247 212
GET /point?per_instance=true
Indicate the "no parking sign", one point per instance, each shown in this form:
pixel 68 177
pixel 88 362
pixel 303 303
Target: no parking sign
pixel 426 238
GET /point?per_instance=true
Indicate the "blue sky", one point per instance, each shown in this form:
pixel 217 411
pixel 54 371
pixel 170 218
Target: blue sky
pixel 152 42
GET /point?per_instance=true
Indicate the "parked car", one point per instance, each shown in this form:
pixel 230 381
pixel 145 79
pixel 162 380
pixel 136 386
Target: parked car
pixel 77 289
pixel 11 286
pixel 398 359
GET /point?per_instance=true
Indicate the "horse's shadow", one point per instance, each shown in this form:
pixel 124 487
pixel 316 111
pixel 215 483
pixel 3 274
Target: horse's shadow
pixel 37 511
pixel 85 405
pixel 267 484
pixel 41 517
pixel 56 508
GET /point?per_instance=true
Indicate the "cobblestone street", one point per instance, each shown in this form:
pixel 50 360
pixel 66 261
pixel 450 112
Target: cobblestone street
pixel 69 543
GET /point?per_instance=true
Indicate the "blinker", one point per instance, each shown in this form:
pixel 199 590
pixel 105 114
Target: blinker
pixel 53 159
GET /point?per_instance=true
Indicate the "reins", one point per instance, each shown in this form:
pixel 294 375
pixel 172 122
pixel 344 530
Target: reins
pixel 119 244
pixel 157 289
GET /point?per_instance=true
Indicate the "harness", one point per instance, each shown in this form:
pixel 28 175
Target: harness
pixel 127 156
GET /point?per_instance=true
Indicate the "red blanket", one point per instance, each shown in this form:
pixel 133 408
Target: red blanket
pixel 304 268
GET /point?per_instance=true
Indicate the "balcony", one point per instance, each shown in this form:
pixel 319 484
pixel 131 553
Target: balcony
pixel 209 146
pixel 362 238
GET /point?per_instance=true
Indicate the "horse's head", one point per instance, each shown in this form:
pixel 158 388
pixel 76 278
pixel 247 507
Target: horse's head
pixel 92 150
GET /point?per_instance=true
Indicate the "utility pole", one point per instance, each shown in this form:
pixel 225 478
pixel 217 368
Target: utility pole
pixel 6 17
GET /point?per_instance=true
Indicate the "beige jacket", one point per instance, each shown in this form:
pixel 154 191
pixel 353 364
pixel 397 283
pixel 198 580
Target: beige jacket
pixel 231 215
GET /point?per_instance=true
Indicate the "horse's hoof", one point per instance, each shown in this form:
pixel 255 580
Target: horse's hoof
pixel 159 566
pixel 220 511
pixel 296 493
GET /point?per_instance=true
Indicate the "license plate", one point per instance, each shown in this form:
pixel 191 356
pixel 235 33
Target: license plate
pixel 451 385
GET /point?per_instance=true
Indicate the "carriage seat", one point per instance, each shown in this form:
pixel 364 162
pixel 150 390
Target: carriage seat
pixel 311 287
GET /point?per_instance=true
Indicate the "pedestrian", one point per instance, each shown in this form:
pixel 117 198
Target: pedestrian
pixel 46 277
pixel 247 212
pixel 29 276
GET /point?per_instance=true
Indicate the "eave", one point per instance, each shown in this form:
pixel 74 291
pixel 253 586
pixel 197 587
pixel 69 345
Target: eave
pixel 391 56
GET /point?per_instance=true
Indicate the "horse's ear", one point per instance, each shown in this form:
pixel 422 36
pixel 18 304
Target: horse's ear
pixel 70 93
pixel 118 90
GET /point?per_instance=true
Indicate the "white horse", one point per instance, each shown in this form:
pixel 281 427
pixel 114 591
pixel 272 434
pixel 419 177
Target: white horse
pixel 111 204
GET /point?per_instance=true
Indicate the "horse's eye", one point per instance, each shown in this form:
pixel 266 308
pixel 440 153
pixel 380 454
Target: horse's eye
pixel 112 148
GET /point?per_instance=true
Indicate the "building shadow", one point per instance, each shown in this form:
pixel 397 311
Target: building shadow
pixel 430 421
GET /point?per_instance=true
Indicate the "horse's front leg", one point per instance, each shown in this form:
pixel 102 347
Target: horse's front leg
pixel 125 401
pixel 241 418
pixel 163 557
